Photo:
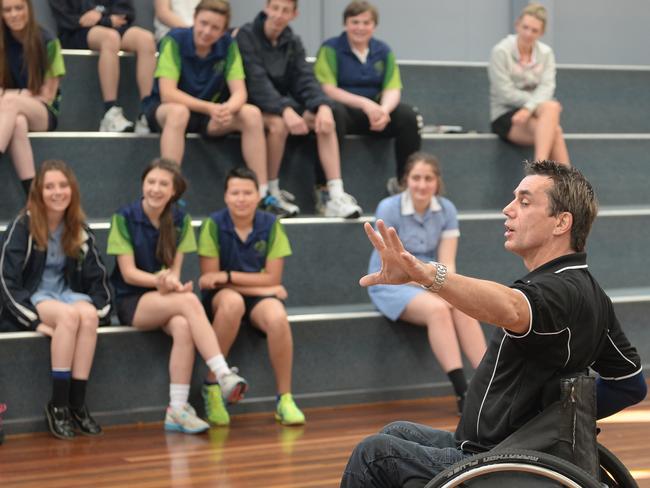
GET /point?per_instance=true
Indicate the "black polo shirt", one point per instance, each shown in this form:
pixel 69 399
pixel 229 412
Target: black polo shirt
pixel 573 327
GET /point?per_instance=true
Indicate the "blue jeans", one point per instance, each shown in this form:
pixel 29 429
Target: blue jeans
pixel 402 454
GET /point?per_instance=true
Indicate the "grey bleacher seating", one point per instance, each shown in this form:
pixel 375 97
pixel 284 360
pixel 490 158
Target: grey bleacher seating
pixel 344 351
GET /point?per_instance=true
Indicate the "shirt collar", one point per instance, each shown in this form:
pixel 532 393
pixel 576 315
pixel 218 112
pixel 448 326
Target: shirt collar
pixel 407 207
pixel 515 50
pixel 576 260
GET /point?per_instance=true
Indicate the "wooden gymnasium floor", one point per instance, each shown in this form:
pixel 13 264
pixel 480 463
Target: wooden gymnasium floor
pixel 254 451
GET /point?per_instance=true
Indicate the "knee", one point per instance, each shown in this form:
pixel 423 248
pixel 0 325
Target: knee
pixel 22 125
pixel 231 305
pixel 89 320
pixel 372 447
pixel 179 329
pixel 191 302
pixel 277 325
pixel 551 106
pixel 68 320
pixel 9 103
pixel 277 127
pixel 251 117
pixel 177 116
pixel 395 429
pixel 110 41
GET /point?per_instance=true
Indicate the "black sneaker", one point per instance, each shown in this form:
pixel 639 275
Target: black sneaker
pixel 59 421
pixel 84 422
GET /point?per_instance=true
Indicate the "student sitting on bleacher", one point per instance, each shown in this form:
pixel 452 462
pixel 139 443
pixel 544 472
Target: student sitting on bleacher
pixel 522 83
pixel 150 238
pixel 283 86
pixel 54 282
pixel 173 14
pixel 30 70
pixel 107 26
pixel 200 87
pixel 361 72
pixel 428 226
pixel 242 253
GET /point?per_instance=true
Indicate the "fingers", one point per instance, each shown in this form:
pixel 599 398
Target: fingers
pixel 375 239
pixel 370 279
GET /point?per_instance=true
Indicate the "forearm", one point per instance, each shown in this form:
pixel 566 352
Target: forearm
pixel 345 97
pixel 241 278
pixel 137 277
pixel 49 90
pixel 174 95
pixel 390 99
pixel 236 101
pixel 486 301
pixel 167 15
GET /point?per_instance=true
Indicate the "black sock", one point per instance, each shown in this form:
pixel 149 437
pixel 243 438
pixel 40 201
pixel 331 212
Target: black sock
pixel 77 393
pixel 26 184
pixel 109 105
pixel 457 378
pixel 60 388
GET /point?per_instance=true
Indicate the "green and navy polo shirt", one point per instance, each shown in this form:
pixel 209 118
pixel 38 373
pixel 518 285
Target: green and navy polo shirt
pixel 55 67
pixel 337 65
pixel 202 77
pixel 218 239
pixel 133 233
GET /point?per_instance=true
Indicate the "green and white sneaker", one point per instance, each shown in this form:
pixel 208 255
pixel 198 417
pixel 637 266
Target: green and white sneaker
pixel 287 412
pixel 215 409
pixel 184 420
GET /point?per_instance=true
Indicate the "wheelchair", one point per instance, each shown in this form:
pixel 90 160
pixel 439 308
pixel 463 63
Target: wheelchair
pixel 556 448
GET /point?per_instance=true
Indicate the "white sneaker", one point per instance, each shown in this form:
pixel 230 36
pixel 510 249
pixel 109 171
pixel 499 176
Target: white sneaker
pixel 184 420
pixel 342 206
pixel 284 201
pixel 115 121
pixel 233 386
pixel 141 125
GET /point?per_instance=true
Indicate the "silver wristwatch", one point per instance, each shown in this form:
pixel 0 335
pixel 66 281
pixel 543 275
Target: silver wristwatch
pixel 439 280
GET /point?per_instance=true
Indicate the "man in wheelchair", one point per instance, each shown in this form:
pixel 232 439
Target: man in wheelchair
pixel 554 322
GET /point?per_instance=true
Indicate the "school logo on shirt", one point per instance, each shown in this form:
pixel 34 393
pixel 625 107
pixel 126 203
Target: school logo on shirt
pixel 260 247
pixel 219 66
pixel 379 67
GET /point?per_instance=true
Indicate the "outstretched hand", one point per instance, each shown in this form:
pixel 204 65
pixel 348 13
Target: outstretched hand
pixel 398 266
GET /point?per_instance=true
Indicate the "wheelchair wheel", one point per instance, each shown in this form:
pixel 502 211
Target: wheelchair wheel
pixel 513 468
pixel 612 471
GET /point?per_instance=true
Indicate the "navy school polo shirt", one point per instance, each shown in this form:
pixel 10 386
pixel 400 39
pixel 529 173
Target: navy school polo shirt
pixel 133 233
pixel 202 77
pixel 337 65
pixel 268 240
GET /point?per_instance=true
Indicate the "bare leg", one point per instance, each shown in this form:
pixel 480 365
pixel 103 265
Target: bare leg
pixel 328 149
pixel 228 309
pixel 248 121
pixel 140 41
pixel 470 336
pixel 155 310
pixel 107 41
pixel 429 310
pixel 173 118
pixel 181 359
pixel 270 316
pixel 86 340
pixel 20 150
pixel 276 141
pixel 64 319
pixel 559 152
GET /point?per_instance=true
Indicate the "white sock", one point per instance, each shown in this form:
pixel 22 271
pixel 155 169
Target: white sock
pixel 274 187
pixel 335 187
pixel 264 189
pixel 218 366
pixel 178 395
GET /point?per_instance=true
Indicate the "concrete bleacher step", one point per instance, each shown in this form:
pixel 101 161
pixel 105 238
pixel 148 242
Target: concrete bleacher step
pixel 330 255
pixel 480 171
pixel 599 99
pixel 342 355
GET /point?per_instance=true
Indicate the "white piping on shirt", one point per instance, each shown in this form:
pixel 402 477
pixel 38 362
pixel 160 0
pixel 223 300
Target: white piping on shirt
pixel 487 390
pixel 580 266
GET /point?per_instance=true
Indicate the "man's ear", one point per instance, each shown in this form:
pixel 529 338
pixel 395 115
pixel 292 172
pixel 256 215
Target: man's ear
pixel 564 223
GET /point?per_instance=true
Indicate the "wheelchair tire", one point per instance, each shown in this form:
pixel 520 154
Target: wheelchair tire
pixel 613 472
pixel 537 463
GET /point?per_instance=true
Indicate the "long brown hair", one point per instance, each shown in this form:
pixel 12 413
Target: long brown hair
pixel 73 218
pixel 34 54
pixel 166 246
